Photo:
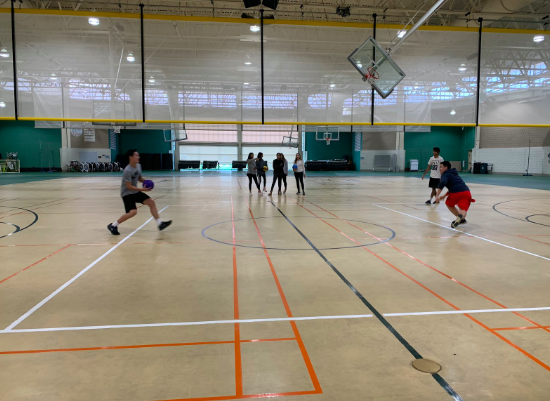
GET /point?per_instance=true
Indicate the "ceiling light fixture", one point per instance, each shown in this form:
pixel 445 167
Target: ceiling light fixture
pixel 93 21
pixel 538 38
pixel 462 67
pixel 247 63
pixel 453 112
pixel 2 104
pixel 400 34
pixel 152 80
pixel 131 57
pixel 53 77
pixel 246 83
pixel 332 85
pixel 4 53
pixel 255 28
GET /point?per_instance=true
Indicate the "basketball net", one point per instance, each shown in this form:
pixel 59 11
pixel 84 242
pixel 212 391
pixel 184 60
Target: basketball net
pixel 328 140
pixel 117 128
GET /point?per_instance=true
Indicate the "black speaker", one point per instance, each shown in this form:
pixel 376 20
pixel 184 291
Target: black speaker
pixel 271 4
pixel 252 3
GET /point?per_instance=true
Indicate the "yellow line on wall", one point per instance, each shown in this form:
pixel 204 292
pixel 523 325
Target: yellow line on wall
pixel 249 21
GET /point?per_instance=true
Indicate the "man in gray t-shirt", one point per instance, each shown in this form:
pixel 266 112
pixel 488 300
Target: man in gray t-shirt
pixel 132 194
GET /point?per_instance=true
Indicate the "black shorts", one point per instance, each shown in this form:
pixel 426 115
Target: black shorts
pixel 434 183
pixel 131 200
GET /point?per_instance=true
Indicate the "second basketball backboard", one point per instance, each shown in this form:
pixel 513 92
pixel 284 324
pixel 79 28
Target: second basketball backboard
pixel 377 67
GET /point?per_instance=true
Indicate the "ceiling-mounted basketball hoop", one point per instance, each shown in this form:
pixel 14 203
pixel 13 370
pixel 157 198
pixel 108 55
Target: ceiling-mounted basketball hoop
pixel 174 135
pixel 327 133
pixel 289 140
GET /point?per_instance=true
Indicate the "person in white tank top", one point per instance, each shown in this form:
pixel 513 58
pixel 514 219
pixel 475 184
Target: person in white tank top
pixel 435 174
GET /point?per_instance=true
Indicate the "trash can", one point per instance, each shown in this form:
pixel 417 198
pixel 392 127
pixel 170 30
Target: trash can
pixel 489 168
pixel 413 164
pixel 477 168
pixel 483 169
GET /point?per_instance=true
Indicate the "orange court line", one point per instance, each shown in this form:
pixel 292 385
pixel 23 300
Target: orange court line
pixel 238 356
pixel 531 239
pixel 433 268
pixel 248 396
pixel 34 264
pixel 307 361
pixel 521 328
pixel 532 357
pixel 41 351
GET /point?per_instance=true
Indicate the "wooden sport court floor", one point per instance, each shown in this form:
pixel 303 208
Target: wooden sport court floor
pixel 330 296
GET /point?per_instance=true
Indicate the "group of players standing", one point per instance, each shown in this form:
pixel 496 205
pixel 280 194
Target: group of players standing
pixel 257 169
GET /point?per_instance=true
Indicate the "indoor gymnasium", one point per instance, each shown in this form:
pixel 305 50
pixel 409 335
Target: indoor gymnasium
pixel 306 200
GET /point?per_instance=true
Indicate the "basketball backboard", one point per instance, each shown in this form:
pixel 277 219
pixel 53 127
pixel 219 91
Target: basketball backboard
pixel 370 55
pixel 327 133
pixel 290 141
pixel 174 135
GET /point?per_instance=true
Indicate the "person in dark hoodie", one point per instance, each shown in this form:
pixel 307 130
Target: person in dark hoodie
pixel 261 168
pixel 278 172
pixel 458 194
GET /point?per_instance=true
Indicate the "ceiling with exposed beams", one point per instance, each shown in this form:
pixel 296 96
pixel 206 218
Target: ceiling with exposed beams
pixel 526 14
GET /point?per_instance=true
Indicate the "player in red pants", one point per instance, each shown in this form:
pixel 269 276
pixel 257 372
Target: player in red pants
pixel 458 194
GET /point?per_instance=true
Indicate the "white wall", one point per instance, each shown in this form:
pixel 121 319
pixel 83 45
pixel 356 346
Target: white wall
pixel 367 158
pixel 514 160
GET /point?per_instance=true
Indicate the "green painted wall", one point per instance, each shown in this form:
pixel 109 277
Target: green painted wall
pixel 37 147
pixel 453 141
pixel 145 141
pixel 357 154
pixel 319 150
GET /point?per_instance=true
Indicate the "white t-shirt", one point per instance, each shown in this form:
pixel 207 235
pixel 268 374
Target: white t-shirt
pixel 434 163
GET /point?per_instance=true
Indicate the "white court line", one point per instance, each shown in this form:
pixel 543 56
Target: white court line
pixel 199 182
pixel 283 319
pixel 53 294
pixel 465 233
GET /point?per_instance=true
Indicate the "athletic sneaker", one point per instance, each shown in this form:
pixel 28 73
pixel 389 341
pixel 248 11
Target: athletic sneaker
pixel 457 222
pixel 463 221
pixel 298 193
pixel 429 202
pixel 113 229
pixel 164 224
pixel 303 193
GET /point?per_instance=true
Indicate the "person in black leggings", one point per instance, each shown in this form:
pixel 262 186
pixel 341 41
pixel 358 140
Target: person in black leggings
pixel 251 173
pixel 278 166
pixel 260 172
pixel 285 170
pixel 299 173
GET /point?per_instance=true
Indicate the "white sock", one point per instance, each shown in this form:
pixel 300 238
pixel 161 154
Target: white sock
pixel 159 222
pixel 115 224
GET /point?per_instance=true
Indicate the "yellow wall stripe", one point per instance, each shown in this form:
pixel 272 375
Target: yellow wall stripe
pixel 250 21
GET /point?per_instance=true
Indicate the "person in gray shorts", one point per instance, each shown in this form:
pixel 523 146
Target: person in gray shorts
pixel 132 194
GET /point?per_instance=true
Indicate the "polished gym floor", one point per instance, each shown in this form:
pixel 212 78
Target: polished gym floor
pixel 328 296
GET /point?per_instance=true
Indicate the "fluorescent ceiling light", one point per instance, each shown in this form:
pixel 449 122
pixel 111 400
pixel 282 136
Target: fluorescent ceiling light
pixel 53 77
pixel 400 34
pixel 246 83
pixel 247 63
pixel 131 57
pixel 332 85
pixel 453 112
pixel 93 21
pixel 2 104
pixel 538 38
pixel 4 53
pixel 255 28
pixel 462 67
pixel 152 80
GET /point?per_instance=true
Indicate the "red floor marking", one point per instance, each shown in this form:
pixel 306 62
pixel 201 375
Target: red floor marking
pixel 531 239
pixel 520 328
pixel 34 264
pixel 305 355
pixel 238 356
pixel 42 351
pixel 247 396
pixel 533 358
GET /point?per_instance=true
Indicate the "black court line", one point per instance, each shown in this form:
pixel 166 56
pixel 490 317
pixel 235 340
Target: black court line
pixel 17 228
pixel 440 380
pixel 525 219
pixel 203 232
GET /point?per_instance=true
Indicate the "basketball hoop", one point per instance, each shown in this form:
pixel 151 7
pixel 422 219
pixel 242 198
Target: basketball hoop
pixel 328 140
pixel 117 128
pixel 371 76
